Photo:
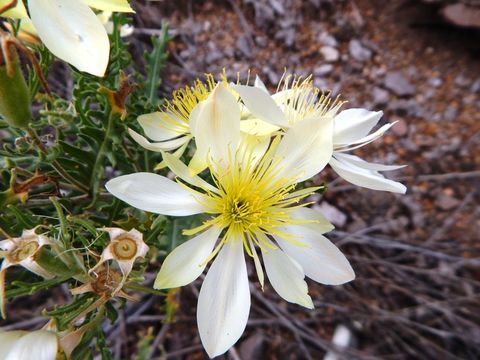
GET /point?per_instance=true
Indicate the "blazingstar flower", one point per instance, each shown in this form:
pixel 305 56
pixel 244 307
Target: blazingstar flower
pixel 21 251
pixel 22 345
pixel 298 100
pixel 45 344
pixel 70 29
pixel 178 123
pixel 252 204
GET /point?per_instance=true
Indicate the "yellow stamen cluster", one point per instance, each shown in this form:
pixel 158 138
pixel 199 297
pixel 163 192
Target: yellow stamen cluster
pixel 302 100
pixel 253 202
pixel 184 100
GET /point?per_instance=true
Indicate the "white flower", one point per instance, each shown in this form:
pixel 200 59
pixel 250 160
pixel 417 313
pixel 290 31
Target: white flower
pixel 252 206
pixel 21 251
pixel 24 345
pixel 182 118
pixel 299 101
pixel 71 30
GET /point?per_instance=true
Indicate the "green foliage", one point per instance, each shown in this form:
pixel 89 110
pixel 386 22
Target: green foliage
pixel 52 176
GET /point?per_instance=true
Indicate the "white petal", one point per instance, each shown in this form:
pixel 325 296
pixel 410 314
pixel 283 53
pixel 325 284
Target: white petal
pixel 355 160
pixel 7 244
pixel 306 148
pixel 224 300
pixel 258 265
pixel 72 32
pixel 286 277
pixel 216 125
pixel 261 104
pixel 353 124
pixel 321 260
pixel 8 339
pixel 155 193
pixel 187 261
pixel 358 174
pixel 160 146
pixel 257 127
pixel 319 223
pixel 259 84
pixel 110 5
pixel 364 140
pixel 182 171
pixel 38 345
pixel 158 126
pixel 252 147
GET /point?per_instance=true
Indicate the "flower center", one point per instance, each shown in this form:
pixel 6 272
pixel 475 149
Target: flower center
pixel 243 210
pixel 300 99
pixel 24 251
pixel 124 248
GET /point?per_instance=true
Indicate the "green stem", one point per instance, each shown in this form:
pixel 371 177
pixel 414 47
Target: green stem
pixel 96 171
pixel 55 164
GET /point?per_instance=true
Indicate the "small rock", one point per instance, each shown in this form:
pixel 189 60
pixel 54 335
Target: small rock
pixel 326 39
pixel 329 53
pixel 320 83
pixel 288 35
pixel 358 51
pixel 462 15
pixel 213 56
pixel 380 96
pixel 450 114
pixel 446 202
pixel 462 81
pixel 401 127
pixel 404 107
pixel 244 47
pixel 335 216
pixel 396 82
pixel 261 41
pixel 475 87
pixel 435 82
pixel 323 70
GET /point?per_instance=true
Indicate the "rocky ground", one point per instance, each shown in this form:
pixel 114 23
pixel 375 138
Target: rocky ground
pixel 416 256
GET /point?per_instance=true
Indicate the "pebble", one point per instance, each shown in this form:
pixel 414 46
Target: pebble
pixel 462 81
pixel 401 127
pixel 358 51
pixel 333 214
pixel 435 82
pixel 450 113
pixel 380 96
pixel 404 107
pixel 330 54
pixel 446 202
pixel 244 47
pixel 326 39
pixel 396 82
pixel 475 87
pixel 323 70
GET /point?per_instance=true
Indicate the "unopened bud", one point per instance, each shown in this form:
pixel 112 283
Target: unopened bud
pixel 15 105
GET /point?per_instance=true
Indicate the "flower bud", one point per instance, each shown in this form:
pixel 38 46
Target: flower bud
pixel 15 105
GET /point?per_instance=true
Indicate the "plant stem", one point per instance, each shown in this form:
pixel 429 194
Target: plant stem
pixel 55 164
pixel 96 173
